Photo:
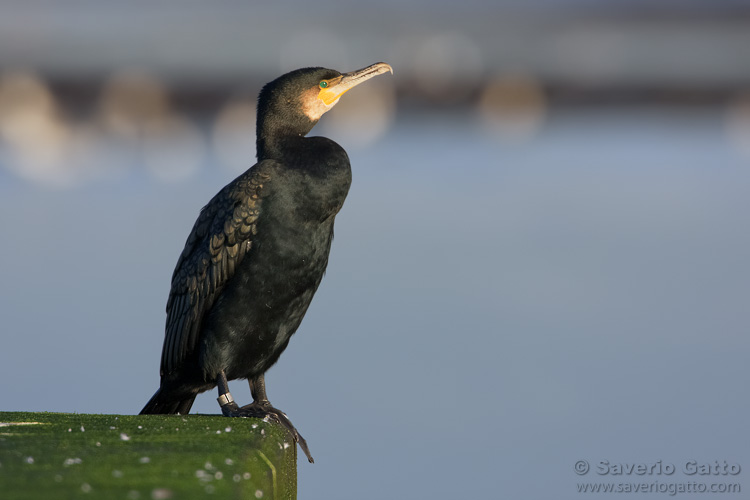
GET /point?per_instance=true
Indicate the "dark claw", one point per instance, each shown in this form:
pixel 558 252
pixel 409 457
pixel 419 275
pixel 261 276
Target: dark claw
pixel 268 412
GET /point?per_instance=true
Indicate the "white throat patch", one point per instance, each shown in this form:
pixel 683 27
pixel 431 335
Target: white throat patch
pixel 312 106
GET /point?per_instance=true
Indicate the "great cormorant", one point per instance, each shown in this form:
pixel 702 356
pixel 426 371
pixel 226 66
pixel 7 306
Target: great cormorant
pixel 258 252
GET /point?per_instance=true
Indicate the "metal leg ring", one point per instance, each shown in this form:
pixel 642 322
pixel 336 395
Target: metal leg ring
pixel 225 399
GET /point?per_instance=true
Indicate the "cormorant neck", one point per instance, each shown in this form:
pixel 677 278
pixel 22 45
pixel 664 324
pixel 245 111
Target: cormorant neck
pixel 273 139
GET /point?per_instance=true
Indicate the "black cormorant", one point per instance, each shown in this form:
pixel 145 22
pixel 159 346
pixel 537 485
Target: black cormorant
pixel 258 252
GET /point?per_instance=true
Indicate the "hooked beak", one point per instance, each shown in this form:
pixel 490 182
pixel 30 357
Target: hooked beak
pixel 339 85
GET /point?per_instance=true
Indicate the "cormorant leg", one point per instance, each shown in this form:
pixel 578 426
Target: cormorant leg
pixel 225 399
pixel 258 389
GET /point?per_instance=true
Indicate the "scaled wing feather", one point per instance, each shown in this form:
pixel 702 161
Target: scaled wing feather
pixel 219 241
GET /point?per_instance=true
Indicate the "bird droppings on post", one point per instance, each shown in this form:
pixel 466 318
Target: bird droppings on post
pixel 161 493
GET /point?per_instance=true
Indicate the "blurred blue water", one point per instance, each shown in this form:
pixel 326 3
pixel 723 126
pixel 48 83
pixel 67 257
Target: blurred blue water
pixel 492 313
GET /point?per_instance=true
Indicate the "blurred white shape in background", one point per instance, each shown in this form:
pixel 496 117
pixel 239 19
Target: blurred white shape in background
pixel 447 66
pixel 363 115
pixel 139 125
pixel 738 124
pixel 233 134
pixel 513 107
pixel 36 142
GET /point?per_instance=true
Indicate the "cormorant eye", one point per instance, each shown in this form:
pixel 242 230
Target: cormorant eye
pixel 323 84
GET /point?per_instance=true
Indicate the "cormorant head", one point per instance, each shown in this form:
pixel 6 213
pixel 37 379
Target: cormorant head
pixel 293 103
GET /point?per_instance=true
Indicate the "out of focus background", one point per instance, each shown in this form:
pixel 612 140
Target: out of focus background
pixel 543 258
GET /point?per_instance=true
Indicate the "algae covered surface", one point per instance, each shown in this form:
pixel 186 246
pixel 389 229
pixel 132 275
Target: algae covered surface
pixel 62 455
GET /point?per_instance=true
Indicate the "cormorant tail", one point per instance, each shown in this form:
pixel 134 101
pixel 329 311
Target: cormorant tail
pixel 165 404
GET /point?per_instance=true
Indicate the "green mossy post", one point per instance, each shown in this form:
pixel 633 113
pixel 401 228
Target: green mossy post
pixel 64 455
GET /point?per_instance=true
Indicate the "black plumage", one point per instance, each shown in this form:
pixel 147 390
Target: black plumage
pixel 258 252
